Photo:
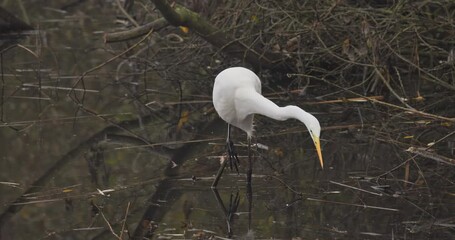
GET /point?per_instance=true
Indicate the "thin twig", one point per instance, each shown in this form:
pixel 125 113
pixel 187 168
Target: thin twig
pixel 108 224
pixel 124 220
pixel 353 204
pixel 358 189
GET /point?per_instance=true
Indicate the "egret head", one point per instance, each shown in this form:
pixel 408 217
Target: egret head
pixel 311 123
pixel 314 128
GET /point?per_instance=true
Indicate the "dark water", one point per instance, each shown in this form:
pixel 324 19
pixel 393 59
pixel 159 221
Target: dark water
pixel 75 165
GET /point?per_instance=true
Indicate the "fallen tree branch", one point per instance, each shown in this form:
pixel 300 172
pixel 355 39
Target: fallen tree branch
pixel 431 155
pixel 178 15
pixel 135 32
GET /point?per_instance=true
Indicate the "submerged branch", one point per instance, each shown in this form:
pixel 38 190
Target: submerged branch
pixel 430 155
pixel 16 205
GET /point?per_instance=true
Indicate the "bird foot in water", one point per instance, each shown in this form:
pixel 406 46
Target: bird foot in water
pixel 233 158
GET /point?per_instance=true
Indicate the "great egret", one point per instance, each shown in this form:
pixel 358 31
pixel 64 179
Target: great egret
pixel 237 97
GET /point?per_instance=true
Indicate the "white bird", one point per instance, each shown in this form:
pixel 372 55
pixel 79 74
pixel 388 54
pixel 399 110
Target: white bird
pixel 237 97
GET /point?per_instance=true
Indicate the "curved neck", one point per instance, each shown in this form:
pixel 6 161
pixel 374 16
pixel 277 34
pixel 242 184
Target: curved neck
pixel 250 102
pixel 292 111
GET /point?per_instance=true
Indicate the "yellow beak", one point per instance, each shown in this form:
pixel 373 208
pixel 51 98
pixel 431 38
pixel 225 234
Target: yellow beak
pixel 317 144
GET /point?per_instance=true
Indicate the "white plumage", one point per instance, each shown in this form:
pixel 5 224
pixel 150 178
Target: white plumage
pixel 237 97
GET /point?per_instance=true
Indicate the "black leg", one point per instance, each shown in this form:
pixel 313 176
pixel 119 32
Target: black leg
pixel 249 190
pixel 219 173
pixel 233 158
pixel 232 154
pixel 233 205
pixel 249 172
pixel 229 212
pixel 249 196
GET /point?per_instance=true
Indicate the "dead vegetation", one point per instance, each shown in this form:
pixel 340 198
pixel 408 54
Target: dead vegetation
pixel 379 74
